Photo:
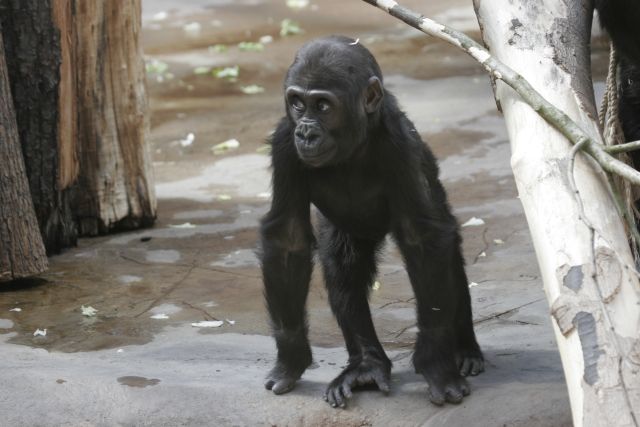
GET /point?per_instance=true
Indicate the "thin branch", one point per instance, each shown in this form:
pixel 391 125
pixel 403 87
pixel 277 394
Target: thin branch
pixel 622 148
pixel 552 115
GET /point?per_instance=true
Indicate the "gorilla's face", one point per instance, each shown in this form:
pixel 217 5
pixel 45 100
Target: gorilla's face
pixel 331 93
pixel 330 125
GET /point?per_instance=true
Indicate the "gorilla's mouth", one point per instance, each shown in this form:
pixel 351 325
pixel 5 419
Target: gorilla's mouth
pixel 315 155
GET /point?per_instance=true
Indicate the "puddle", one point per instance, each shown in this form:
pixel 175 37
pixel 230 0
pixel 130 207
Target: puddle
pixel 152 9
pixel 249 220
pixel 168 256
pixel 495 208
pixel 239 258
pixel 88 254
pixel 246 175
pixel 140 382
pixel 198 214
pixel 434 105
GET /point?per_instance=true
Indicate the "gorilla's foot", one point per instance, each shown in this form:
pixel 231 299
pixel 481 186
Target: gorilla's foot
pixel 366 371
pixel 282 378
pixel 444 385
pixel 470 363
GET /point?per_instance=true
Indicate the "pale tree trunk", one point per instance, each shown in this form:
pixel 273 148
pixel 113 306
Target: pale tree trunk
pixel 22 252
pixel 115 189
pixel 587 268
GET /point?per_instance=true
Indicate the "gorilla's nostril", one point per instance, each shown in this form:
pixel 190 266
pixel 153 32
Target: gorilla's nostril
pixel 311 138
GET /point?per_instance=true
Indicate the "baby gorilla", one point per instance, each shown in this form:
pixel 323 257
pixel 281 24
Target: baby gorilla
pixel 345 146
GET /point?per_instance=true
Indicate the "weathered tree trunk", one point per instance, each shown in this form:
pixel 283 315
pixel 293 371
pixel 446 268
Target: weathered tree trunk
pixel 77 76
pixel 115 189
pixel 22 252
pixel 33 55
pixel 587 268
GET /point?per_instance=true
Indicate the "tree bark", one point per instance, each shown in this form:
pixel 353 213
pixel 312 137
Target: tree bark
pixel 22 252
pixel 115 189
pixel 586 264
pixel 33 55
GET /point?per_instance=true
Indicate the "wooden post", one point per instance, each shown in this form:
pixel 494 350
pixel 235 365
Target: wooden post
pixel 115 189
pixel 588 272
pixel 22 252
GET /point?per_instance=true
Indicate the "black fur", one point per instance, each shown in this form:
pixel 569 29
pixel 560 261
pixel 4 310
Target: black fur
pixel 378 178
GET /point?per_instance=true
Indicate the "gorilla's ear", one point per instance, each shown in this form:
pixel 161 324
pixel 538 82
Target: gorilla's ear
pixel 373 95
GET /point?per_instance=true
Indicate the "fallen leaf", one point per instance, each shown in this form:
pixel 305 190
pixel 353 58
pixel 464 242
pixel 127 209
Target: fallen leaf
pixel 88 311
pixel 201 70
pixel 160 316
pixel 498 241
pixel 229 73
pixel 218 48
pixel 473 222
pixel 297 4
pixel 266 39
pixel 230 144
pixel 224 197
pixel 289 27
pixel 155 66
pixel 16 309
pixel 231 322
pixel 185 225
pixel 188 140
pixel 160 16
pixel 208 324
pixel 252 89
pixel 250 47
pixel 192 29
pixel 264 149
pixel 40 333
pixel 376 285
pixel 482 254
pixel 473 284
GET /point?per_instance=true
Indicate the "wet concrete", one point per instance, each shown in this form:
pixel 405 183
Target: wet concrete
pixel 139 361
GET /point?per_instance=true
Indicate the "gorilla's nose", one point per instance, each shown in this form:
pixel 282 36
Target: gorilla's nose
pixel 309 134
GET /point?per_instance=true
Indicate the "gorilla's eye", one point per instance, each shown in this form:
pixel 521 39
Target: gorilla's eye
pixel 297 103
pixel 323 105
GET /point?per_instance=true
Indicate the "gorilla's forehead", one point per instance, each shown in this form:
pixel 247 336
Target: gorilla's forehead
pixel 332 62
pixel 323 78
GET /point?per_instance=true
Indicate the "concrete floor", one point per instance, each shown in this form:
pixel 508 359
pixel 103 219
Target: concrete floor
pixel 139 361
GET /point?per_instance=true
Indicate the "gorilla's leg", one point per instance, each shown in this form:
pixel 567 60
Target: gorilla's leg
pixel 446 346
pixel 286 268
pixel 349 269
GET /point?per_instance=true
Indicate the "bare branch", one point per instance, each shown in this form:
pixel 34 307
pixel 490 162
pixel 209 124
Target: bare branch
pixel 500 71
pixel 622 148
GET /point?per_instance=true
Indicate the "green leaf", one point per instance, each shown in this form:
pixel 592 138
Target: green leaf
pixel 155 66
pixel 229 73
pixel 289 27
pixel 201 70
pixel 252 89
pixel 218 48
pixel 250 47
